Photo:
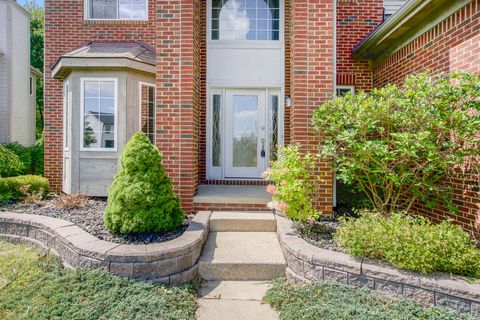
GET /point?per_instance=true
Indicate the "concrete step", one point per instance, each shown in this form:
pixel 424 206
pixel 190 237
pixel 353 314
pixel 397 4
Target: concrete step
pixel 243 221
pixel 253 256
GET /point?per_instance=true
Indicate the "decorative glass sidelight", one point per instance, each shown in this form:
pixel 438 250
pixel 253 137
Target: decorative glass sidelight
pixel 245 131
pixel 216 132
pixel 273 126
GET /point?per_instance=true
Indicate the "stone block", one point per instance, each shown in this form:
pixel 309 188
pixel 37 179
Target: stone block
pixel 184 276
pixel 295 264
pixel 145 271
pixel 312 272
pixel 389 287
pixel 335 275
pixel 458 304
pixel 476 309
pixel 123 269
pixel 166 267
pixel 422 296
pixel 361 281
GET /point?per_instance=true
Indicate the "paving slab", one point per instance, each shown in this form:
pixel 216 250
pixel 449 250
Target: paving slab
pixel 243 221
pixel 232 194
pixel 234 290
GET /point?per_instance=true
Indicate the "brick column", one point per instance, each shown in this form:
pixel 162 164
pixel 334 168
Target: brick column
pixel 178 76
pixel 312 80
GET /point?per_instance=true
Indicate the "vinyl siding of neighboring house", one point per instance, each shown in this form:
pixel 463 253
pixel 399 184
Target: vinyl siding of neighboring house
pixel 21 126
pixel 4 73
pixel 391 6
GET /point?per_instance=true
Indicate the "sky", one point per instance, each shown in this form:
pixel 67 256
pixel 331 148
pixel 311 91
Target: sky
pixel 39 2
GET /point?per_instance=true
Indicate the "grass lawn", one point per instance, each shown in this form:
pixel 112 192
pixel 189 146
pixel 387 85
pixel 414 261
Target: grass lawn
pixel 328 301
pixel 35 286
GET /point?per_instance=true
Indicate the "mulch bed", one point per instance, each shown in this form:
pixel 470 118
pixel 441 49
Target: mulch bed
pixel 90 219
pixel 320 234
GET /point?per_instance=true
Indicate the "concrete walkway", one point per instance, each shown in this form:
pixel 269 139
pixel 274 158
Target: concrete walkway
pixel 241 256
pixel 234 300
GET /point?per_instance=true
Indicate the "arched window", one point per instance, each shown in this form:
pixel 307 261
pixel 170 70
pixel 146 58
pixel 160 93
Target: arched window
pixel 245 19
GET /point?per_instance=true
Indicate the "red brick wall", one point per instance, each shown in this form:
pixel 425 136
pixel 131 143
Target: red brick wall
pixel 178 100
pixel 355 20
pixel 453 44
pixel 312 79
pixel 65 29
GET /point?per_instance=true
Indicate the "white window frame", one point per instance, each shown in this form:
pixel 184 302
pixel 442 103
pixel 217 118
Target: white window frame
pixel 152 85
pixel 82 113
pixel 66 115
pixel 247 43
pixel 86 13
pixel 347 87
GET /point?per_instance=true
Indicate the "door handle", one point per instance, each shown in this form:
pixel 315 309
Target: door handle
pixel 263 153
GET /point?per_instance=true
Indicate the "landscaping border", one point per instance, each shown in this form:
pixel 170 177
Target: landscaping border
pixel 308 263
pixel 171 262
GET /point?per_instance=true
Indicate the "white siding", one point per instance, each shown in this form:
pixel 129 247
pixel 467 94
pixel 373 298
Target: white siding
pixel 21 127
pixel 4 73
pixel 391 6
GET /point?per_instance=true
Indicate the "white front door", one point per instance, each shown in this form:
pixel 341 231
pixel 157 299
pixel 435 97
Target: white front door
pixel 245 133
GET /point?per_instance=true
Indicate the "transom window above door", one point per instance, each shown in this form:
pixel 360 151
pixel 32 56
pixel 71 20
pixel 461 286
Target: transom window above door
pixel 116 9
pixel 245 20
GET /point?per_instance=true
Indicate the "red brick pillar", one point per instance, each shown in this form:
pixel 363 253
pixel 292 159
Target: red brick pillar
pixel 178 75
pixel 312 80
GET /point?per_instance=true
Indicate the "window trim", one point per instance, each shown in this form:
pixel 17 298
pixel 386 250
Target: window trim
pixel 152 85
pixel 82 113
pixel 348 87
pixel 66 113
pixel 86 14
pixel 247 43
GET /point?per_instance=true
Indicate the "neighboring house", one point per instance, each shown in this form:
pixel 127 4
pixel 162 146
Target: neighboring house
pixel 17 77
pixel 216 84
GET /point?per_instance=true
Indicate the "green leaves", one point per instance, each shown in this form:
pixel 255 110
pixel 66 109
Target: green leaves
pixel 141 198
pixel 10 163
pixel 411 243
pixel 400 144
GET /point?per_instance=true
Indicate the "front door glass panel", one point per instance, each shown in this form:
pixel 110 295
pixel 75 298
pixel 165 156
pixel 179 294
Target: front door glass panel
pixel 245 131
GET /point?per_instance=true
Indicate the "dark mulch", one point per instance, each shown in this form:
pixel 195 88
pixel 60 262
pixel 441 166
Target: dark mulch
pixel 90 219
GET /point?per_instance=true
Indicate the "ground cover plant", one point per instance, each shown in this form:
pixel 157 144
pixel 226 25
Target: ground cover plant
pixel 330 301
pixel 399 144
pixel 411 243
pixel 33 285
pixel 141 198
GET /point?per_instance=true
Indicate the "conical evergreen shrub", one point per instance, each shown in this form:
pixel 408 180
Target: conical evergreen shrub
pixel 141 198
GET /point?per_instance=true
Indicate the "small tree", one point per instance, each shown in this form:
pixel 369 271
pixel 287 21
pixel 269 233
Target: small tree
pixel 141 198
pixel 400 143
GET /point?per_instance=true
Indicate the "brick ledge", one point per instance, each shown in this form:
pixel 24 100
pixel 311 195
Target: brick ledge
pixel 308 263
pixel 171 262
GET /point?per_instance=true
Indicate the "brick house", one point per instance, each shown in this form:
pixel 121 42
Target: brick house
pixel 218 84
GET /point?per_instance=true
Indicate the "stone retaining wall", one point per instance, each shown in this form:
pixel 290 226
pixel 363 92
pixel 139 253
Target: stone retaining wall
pixel 171 262
pixel 308 263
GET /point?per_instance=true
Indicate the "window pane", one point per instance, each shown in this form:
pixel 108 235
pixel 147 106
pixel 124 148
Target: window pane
pixel 99 114
pixel 245 20
pixel 216 129
pixel 273 112
pixel 127 9
pixel 147 112
pixel 245 131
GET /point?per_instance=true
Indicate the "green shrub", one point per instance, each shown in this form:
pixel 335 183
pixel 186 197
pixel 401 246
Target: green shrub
pixel 10 163
pixel 31 157
pixel 332 301
pixel 398 144
pixel 411 243
pixel 11 187
pixel 294 184
pixel 141 198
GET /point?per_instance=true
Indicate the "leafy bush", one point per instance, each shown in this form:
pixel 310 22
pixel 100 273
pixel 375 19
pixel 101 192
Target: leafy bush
pixel 400 143
pixel 411 243
pixel 31 157
pixel 331 301
pixel 37 287
pixel 21 187
pixel 10 163
pixel 294 184
pixel 141 198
